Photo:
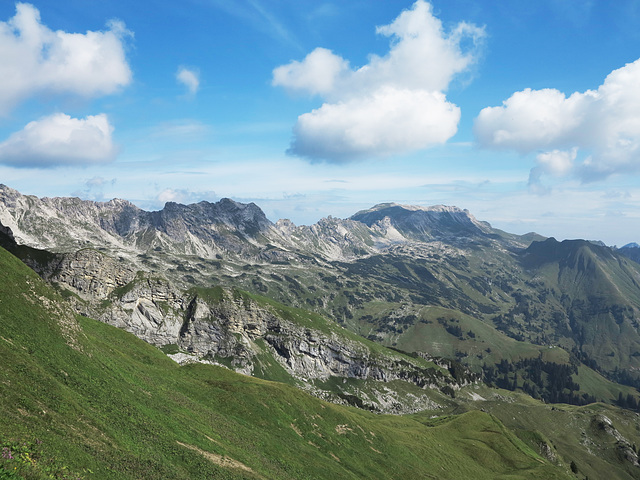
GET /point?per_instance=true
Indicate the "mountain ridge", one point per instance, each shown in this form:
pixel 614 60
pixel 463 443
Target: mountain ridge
pixel 421 279
pixel 200 226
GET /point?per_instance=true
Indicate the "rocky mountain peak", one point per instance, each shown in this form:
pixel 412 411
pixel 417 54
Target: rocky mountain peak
pixel 413 208
pixel 247 219
pixel 423 223
pixel 225 210
pixel 6 191
pixel 65 224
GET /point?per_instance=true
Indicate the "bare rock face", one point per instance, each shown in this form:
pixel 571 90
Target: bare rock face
pixel 224 330
pixel 90 273
pixel 423 223
pixel 547 452
pixel 231 328
pixel 149 308
pixel 68 224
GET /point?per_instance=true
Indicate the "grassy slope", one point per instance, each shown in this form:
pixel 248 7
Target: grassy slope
pixel 571 430
pixel 490 346
pixel 115 407
pixel 432 337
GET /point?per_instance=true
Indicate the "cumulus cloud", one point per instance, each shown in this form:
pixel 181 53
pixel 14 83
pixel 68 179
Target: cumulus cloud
pixel 59 139
pixel 359 118
pixel 556 163
pixel 601 126
pixel 189 78
pixel 316 74
pixel 388 121
pixel 35 59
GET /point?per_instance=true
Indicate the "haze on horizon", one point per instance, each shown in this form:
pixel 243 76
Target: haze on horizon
pixel 526 114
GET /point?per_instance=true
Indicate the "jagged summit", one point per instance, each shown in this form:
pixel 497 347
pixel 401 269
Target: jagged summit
pixel 248 218
pixel 67 223
pixel 226 227
pixel 7 190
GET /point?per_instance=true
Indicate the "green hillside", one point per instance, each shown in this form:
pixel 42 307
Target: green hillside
pixel 600 440
pixel 81 399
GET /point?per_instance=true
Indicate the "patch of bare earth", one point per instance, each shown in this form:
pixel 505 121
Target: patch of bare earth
pixel 223 461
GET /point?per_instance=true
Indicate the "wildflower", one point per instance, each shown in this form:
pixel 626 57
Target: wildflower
pixel 6 453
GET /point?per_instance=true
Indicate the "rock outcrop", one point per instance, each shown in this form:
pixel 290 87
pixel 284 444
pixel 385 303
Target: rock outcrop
pixel 89 273
pixel 601 425
pixel 150 308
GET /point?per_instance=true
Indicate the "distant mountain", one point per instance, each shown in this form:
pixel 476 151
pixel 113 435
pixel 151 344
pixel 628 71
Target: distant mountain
pixel 593 296
pixel 228 227
pixel 424 223
pixel 632 251
pixel 570 253
pixel 63 224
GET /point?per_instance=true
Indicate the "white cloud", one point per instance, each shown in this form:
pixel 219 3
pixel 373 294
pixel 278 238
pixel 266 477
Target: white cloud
pixel 358 120
pixel 388 121
pixel 556 163
pixel 59 139
pixel 183 196
pixel 35 59
pixel 603 125
pixel 169 195
pixel 189 78
pixel 316 74
pixel 530 120
pixel 422 55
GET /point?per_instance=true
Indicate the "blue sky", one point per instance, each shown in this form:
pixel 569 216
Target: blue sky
pixel 525 113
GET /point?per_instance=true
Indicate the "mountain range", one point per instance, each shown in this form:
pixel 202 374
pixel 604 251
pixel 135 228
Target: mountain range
pixel 391 273
pixel 397 309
